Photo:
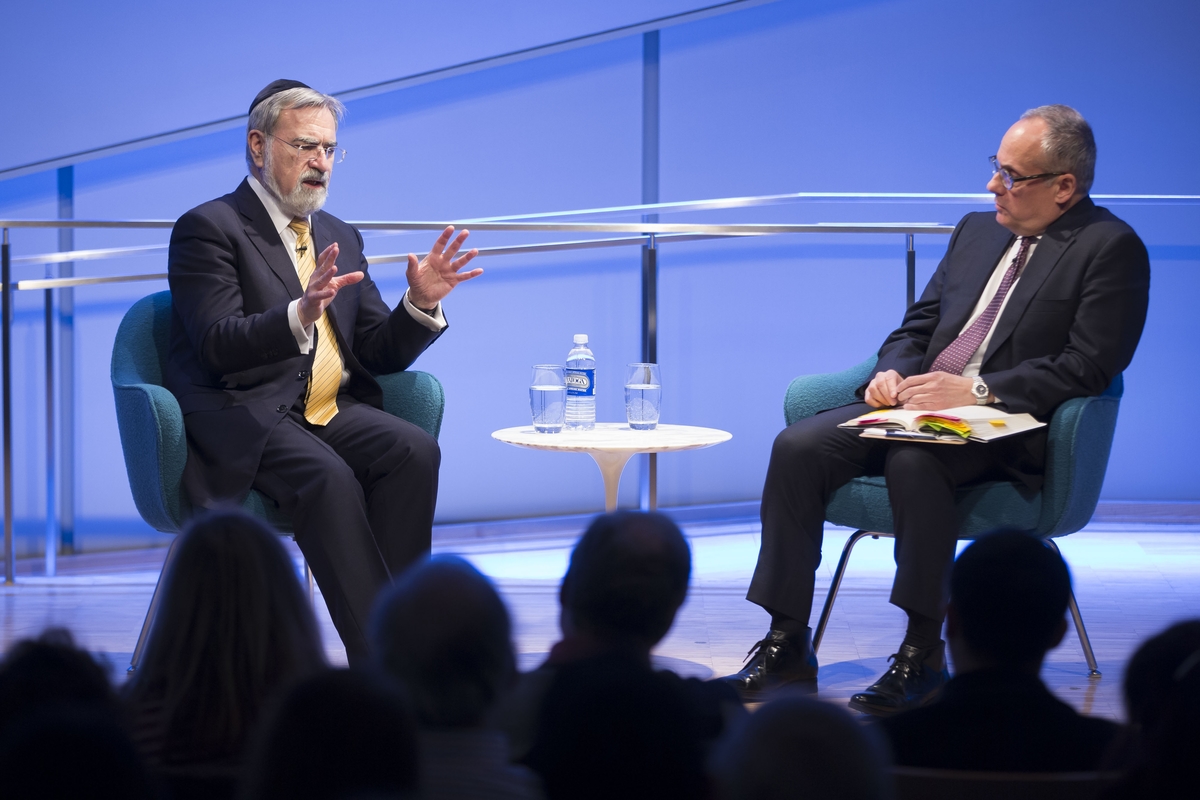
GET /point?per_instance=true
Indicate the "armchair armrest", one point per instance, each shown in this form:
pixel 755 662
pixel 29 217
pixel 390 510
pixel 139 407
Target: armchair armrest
pixel 810 394
pixel 414 396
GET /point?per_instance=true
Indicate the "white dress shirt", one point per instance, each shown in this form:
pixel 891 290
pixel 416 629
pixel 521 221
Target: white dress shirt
pixel 989 291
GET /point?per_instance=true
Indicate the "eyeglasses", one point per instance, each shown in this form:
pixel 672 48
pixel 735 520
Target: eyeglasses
pixel 310 151
pixel 1010 180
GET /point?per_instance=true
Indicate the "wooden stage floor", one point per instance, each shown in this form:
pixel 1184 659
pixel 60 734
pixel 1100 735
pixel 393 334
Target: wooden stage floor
pixel 1131 582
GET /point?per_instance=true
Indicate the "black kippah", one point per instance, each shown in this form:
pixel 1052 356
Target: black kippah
pixel 275 87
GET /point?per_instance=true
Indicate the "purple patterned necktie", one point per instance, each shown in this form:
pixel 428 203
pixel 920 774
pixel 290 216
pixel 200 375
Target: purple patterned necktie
pixel 955 357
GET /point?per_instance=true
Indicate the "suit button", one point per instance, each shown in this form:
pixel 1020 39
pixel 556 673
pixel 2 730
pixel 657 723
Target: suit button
pixel 303 374
pixel 281 408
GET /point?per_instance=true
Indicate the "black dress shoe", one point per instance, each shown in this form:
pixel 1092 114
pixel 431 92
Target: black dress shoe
pixel 779 659
pixel 914 679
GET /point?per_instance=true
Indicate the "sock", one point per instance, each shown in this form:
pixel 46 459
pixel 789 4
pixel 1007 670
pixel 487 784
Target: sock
pixel 791 627
pixel 923 632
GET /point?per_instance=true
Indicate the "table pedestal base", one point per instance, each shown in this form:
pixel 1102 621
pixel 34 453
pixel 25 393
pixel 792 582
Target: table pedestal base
pixel 611 465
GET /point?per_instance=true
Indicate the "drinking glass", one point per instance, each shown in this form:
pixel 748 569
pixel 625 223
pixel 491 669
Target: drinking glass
pixel 548 397
pixel 643 396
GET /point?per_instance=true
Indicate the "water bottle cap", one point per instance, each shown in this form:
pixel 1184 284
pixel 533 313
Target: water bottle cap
pixel 581 338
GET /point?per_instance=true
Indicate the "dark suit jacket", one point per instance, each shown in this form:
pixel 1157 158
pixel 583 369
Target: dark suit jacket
pixel 1070 326
pixel 234 364
pixel 998 720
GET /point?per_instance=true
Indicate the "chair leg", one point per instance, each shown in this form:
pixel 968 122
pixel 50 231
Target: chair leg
pixel 1077 618
pixel 838 573
pixel 155 599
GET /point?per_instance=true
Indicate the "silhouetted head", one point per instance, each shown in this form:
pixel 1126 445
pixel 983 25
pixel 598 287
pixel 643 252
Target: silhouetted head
pixel 341 734
pixel 1162 697
pixel 444 632
pixel 233 626
pixel 627 578
pixel 50 670
pixel 1008 599
pixel 800 747
pixel 1150 676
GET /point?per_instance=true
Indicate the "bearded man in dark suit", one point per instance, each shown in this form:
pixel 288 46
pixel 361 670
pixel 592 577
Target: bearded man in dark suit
pixel 277 330
pixel 1043 301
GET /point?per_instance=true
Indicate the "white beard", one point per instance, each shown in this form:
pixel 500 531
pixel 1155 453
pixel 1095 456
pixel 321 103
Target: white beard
pixel 301 200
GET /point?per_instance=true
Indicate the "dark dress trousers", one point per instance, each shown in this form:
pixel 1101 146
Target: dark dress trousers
pixel 360 490
pixel 999 721
pixel 1071 324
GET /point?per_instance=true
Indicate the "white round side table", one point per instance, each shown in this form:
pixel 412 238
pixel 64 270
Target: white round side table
pixel 611 444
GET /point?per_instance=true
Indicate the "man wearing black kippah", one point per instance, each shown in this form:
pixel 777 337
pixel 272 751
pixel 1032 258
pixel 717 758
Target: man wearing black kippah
pixel 277 331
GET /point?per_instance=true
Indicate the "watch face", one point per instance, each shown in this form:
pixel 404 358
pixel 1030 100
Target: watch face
pixel 980 389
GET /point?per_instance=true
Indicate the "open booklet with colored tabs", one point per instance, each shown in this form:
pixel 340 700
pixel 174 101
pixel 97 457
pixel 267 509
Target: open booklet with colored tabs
pixel 945 426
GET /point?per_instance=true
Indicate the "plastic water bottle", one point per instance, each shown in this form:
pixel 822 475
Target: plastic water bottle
pixel 581 386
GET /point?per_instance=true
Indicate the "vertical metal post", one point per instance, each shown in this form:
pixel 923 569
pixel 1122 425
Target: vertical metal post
pixel 648 485
pixel 51 515
pixel 66 367
pixel 10 561
pixel 910 261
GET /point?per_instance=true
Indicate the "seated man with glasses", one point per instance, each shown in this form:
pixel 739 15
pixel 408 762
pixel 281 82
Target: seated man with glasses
pixel 277 330
pixel 1042 301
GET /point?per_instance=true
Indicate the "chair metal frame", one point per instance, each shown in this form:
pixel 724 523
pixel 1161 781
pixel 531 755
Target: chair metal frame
pixel 844 561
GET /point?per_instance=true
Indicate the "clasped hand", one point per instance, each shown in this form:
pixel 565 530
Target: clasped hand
pixel 429 280
pixel 927 392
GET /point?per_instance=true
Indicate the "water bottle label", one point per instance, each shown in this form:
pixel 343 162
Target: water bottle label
pixel 581 382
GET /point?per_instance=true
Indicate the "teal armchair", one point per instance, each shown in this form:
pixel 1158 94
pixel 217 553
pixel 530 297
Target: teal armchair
pixel 152 434
pixel 1078 446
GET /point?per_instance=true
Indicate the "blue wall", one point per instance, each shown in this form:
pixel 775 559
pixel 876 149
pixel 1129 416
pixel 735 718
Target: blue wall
pixel 783 97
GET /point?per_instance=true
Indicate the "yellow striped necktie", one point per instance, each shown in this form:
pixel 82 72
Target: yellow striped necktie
pixel 320 402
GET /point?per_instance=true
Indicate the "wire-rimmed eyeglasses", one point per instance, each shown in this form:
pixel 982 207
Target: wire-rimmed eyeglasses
pixel 310 150
pixel 1011 179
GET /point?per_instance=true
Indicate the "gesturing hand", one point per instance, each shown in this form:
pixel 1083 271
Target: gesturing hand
pixel 323 286
pixel 881 391
pixel 432 278
pixel 935 390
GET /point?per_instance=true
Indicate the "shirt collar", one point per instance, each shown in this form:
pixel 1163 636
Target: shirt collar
pixel 278 218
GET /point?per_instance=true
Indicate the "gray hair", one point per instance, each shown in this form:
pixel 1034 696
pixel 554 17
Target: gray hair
pixel 1068 143
pixel 265 116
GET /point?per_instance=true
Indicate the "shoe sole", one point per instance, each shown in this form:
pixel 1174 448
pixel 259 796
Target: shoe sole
pixel 887 711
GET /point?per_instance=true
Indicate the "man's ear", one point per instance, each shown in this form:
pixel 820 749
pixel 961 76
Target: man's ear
pixel 256 141
pixel 1067 186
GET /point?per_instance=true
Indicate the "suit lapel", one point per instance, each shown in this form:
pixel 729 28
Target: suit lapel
pixel 1050 249
pixel 261 232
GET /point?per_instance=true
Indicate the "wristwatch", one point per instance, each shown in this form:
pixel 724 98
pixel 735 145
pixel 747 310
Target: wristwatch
pixel 980 390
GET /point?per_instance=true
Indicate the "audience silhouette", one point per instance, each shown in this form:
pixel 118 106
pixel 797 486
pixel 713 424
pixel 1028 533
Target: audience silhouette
pixel 1162 700
pixel 234 695
pixel 1008 604
pixel 233 627
pixel 596 719
pixel 454 664
pixel 797 746
pixel 340 734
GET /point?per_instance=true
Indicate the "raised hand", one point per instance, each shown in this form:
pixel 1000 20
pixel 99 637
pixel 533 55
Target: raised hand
pixel 433 277
pixel 323 286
